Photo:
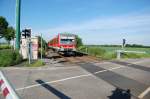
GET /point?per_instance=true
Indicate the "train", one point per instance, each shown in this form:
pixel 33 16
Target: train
pixel 63 42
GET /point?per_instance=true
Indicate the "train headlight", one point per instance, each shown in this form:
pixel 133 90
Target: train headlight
pixel 74 49
pixel 61 48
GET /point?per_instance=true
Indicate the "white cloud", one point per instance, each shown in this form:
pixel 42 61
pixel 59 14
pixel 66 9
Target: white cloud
pixel 105 23
pixel 105 27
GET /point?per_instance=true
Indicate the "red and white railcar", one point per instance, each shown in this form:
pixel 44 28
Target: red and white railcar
pixel 63 43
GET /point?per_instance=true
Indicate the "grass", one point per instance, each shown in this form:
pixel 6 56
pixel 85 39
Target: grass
pixel 37 63
pixel 9 57
pixel 110 52
pixel 5 46
pixel 147 50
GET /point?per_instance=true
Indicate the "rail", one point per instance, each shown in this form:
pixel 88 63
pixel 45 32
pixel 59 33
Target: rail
pixel 6 88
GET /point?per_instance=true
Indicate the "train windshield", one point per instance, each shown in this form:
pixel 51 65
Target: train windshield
pixel 67 41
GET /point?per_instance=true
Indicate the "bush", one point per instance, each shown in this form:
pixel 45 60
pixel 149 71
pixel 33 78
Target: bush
pixel 43 52
pixel 82 48
pixel 79 41
pixel 18 57
pixel 9 57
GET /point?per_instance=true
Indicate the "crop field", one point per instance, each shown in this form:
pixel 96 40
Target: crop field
pixel 110 52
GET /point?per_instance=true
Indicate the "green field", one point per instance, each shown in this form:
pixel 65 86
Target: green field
pixel 5 46
pixel 147 50
pixel 110 52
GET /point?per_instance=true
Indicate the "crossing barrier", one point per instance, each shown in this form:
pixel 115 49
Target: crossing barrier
pixel 6 88
pixel 123 51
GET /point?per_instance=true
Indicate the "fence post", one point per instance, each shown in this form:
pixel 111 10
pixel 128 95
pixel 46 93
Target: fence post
pixel 86 50
pixel 118 54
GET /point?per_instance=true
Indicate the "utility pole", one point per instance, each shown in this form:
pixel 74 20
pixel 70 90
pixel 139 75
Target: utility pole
pixel 29 50
pixel 41 46
pixel 18 5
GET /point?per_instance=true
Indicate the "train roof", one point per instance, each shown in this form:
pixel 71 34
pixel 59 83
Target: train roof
pixel 67 34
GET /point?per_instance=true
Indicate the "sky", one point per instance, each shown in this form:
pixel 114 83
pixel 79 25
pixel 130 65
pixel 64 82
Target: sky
pixel 95 21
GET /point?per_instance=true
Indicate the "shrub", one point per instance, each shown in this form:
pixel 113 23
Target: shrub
pixel 82 48
pixel 9 57
pixel 18 57
pixel 43 52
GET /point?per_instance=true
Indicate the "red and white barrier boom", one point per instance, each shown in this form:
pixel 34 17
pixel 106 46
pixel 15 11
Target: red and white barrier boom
pixel 6 89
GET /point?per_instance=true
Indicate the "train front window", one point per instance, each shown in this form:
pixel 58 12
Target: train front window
pixel 67 41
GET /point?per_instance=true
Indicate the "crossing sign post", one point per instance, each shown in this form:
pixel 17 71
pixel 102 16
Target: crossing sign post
pixel 123 43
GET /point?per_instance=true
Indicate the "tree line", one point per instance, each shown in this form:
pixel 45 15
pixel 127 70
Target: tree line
pixel 6 31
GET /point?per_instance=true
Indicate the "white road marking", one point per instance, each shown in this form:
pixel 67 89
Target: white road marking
pixel 108 69
pixel 100 71
pixel 116 68
pixel 55 81
pixel 69 78
pixel 144 93
pixel 40 69
pixel 129 64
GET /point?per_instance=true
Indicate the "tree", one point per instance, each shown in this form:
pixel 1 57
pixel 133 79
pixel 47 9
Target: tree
pixel 43 47
pixel 79 41
pixel 44 43
pixel 5 31
pixel 10 34
pixel 3 26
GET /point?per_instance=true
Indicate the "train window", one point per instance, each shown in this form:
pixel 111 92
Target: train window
pixel 67 41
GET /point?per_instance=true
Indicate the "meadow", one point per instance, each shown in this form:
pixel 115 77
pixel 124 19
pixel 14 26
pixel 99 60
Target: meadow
pixel 5 46
pixel 110 52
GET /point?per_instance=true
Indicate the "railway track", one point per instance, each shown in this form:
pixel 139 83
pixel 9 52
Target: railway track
pixel 72 59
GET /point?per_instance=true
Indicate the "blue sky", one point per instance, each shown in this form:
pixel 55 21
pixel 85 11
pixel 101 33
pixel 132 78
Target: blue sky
pixel 96 21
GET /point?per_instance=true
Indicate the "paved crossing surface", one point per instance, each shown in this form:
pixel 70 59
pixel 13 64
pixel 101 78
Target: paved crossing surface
pixel 124 79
